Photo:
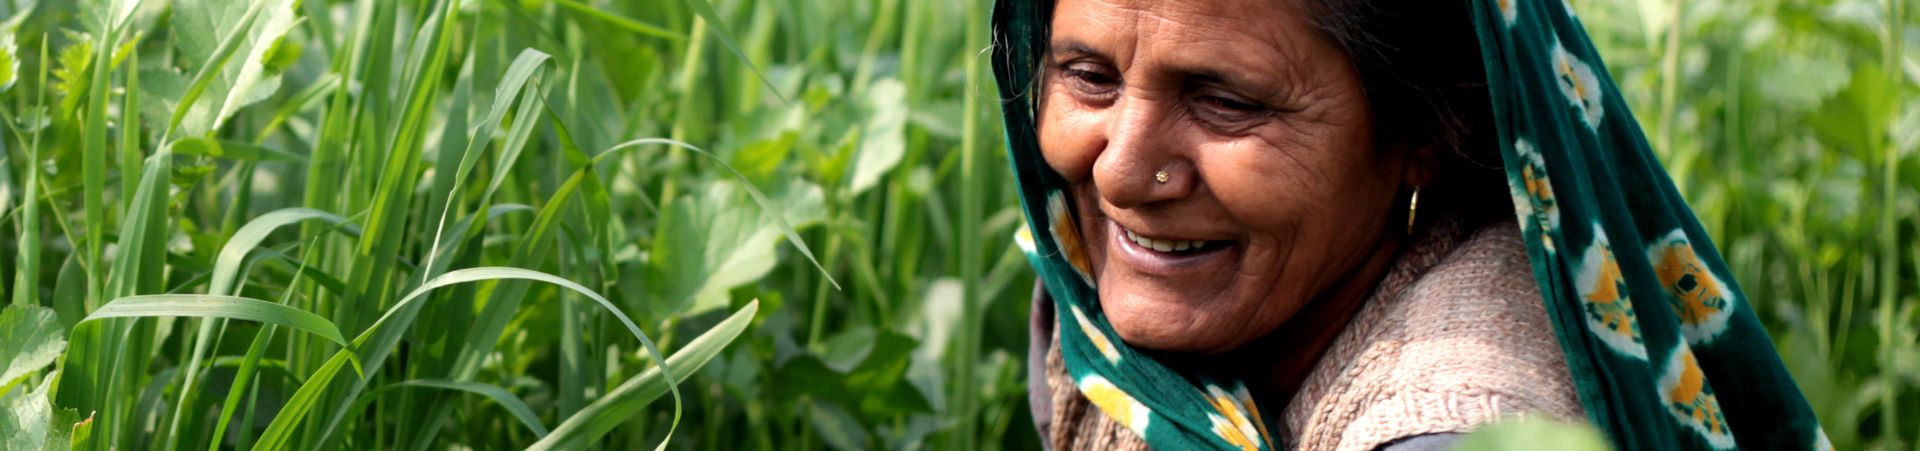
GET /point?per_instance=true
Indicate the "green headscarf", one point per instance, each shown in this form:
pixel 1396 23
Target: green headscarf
pixel 1664 351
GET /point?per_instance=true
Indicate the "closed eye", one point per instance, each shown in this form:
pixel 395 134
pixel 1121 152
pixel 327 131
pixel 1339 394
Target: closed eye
pixel 1090 81
pixel 1228 111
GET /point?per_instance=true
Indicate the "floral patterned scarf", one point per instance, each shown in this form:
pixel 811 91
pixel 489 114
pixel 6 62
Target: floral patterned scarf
pixel 1665 351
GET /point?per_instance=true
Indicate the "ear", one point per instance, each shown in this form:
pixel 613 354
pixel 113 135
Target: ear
pixel 1419 165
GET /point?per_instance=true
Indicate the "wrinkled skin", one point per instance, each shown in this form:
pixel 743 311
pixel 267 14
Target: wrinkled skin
pixel 1262 125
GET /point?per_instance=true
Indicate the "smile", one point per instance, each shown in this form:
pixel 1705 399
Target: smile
pixel 1171 245
pixel 1170 256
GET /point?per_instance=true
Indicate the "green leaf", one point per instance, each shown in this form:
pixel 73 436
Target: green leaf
pixel 586 427
pixel 211 33
pixel 28 421
pixel 760 159
pixel 706 12
pixel 72 73
pixel 837 427
pixel 622 22
pixel 1531 433
pixel 212 306
pixel 1860 113
pixel 33 340
pixel 719 244
pixel 234 150
pixel 1799 82
pixel 9 60
pixel 883 138
pixel 227 266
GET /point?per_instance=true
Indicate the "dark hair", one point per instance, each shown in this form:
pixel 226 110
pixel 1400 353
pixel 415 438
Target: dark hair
pixel 1426 85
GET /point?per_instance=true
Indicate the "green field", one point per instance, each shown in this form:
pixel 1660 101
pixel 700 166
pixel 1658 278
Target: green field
pixel 478 224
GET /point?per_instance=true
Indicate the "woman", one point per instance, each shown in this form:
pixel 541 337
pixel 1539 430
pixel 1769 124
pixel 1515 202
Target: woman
pixel 1342 224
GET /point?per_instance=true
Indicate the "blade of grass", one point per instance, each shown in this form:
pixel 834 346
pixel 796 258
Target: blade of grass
pixel 379 341
pixel 94 156
pixel 973 186
pixel 226 270
pixel 520 77
pixel 248 365
pixel 513 405
pixel 585 428
pixel 211 306
pixel 130 129
pixel 26 280
pixel 622 22
pixel 138 265
pixel 706 12
pixel 234 150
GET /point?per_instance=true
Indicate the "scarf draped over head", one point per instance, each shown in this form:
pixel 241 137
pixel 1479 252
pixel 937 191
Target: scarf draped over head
pixel 1664 349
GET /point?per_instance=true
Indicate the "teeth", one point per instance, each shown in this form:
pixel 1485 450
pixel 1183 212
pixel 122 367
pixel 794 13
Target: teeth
pixel 1164 245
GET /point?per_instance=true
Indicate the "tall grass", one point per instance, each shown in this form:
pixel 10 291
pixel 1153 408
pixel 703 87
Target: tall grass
pixel 415 224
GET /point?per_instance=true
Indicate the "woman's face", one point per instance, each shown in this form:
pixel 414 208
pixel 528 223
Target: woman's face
pixel 1275 191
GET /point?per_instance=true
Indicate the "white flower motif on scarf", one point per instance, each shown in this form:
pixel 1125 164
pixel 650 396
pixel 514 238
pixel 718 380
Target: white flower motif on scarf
pixel 1533 200
pixel 1579 84
pixel 1700 299
pixel 1691 400
pixel 1604 301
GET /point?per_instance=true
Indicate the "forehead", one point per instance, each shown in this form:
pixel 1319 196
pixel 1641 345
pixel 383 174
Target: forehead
pixel 1216 35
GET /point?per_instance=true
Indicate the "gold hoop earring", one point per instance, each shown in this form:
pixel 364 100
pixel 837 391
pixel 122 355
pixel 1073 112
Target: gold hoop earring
pixel 1413 206
pixel 1161 176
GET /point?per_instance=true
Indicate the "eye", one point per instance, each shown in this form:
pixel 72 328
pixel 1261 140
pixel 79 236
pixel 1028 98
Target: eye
pixel 1093 81
pixel 1228 109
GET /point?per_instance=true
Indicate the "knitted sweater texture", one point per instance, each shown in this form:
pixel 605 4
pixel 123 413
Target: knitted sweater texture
pixel 1454 336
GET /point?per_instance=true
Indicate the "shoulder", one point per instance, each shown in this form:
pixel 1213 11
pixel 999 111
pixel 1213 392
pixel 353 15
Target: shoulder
pixel 1465 341
pixel 1474 328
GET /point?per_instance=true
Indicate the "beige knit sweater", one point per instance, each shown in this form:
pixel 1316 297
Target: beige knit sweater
pixel 1454 336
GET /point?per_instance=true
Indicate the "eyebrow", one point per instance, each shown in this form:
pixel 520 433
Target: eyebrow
pixel 1074 49
pixel 1068 48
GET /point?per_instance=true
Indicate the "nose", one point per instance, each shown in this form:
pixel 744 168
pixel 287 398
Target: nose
pixel 1142 141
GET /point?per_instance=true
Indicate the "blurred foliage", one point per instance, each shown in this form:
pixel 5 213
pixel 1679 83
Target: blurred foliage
pixel 1531 433
pixel 1792 127
pixel 868 126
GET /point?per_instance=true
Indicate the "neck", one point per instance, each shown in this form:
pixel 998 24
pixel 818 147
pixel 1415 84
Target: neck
pixel 1292 350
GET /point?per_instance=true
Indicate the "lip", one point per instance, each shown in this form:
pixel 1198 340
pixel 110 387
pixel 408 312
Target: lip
pixel 1152 262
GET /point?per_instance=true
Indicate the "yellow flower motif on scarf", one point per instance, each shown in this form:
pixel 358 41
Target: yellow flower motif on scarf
pixel 1603 296
pixel 1579 84
pixel 1067 235
pixel 1701 300
pixel 1118 405
pixel 1691 401
pixel 1533 199
pixel 1094 336
pixel 1509 10
pixel 1236 419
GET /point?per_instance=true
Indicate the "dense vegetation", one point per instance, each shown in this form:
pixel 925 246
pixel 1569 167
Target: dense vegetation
pixel 479 223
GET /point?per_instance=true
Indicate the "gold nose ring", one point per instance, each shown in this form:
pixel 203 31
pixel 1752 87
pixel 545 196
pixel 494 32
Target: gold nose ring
pixel 1160 176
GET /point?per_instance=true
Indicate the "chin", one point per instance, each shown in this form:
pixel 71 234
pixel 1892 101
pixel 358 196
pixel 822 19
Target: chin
pixel 1171 327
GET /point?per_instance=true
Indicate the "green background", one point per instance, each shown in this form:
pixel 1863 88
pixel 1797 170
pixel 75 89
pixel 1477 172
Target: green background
pixel 447 135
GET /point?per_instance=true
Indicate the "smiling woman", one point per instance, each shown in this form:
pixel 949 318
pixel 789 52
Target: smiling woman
pixel 1283 225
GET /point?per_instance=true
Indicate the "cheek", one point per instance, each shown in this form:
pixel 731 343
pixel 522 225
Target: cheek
pixel 1307 178
pixel 1070 138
